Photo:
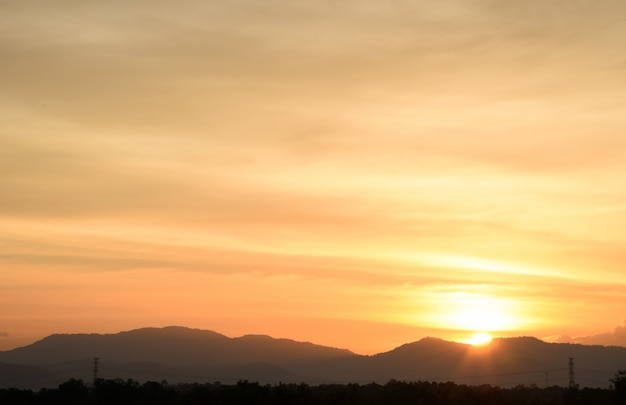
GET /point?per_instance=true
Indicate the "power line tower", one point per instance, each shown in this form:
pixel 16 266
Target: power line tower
pixel 96 363
pixel 572 379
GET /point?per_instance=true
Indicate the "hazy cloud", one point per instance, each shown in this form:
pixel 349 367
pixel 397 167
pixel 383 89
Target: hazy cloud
pixel 615 338
pixel 341 142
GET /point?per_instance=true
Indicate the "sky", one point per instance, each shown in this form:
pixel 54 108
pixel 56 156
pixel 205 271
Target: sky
pixel 359 174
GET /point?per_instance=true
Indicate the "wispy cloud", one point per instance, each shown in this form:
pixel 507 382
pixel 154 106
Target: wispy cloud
pixel 617 337
pixel 320 145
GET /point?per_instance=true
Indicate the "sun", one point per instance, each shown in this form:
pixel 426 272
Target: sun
pixel 479 338
pixel 473 316
pixel 478 312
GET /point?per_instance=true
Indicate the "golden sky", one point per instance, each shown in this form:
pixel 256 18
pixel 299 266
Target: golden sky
pixel 358 174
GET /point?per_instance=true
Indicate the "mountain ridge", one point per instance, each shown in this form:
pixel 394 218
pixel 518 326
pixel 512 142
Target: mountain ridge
pixel 173 345
pixel 184 354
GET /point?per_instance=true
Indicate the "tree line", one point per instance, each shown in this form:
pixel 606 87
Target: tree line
pixel 118 391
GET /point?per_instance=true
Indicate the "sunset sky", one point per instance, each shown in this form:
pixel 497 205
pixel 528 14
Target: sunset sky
pixel 358 174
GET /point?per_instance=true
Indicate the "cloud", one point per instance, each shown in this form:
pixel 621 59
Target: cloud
pixel 280 66
pixel 615 338
pixel 269 135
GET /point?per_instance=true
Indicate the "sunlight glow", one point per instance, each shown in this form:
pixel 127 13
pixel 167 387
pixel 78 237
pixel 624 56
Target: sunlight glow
pixel 346 175
pixel 476 312
pixel 480 338
pixel 476 263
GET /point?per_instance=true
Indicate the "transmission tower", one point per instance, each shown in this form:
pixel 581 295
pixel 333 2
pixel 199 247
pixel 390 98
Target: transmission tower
pixel 572 379
pixel 96 363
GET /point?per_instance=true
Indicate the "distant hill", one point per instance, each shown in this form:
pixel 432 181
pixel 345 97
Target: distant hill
pixel 170 345
pixel 179 354
pixel 505 361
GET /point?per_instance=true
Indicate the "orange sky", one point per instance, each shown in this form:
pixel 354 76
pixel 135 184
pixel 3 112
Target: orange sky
pixel 353 173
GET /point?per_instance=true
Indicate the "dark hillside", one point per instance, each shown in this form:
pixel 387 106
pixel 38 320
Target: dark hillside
pixel 184 355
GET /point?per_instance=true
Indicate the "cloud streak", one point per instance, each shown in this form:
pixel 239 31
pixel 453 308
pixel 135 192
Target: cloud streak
pixel 617 337
pixel 402 151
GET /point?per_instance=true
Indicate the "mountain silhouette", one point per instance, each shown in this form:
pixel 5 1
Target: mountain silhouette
pixel 179 354
pixel 170 345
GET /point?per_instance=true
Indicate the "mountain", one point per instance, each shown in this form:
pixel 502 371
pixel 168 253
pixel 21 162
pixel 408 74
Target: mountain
pixel 178 354
pixel 170 345
pixel 173 353
pixel 505 362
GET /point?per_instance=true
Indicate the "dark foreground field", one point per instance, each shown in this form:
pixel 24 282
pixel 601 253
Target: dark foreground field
pixel 244 392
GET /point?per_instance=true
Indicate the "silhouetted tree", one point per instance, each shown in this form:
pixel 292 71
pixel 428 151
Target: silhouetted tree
pixel 16 396
pixel 118 391
pixel 73 392
pixel 619 385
